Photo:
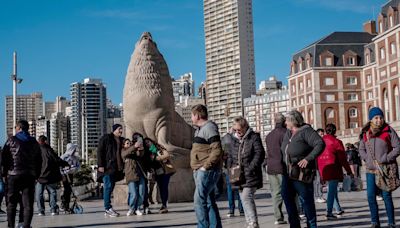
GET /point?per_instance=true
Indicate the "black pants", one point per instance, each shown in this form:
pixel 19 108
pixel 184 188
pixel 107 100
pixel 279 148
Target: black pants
pixel 20 186
pixel 66 197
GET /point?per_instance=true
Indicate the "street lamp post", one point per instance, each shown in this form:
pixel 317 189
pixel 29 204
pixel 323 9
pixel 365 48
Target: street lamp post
pixel 16 81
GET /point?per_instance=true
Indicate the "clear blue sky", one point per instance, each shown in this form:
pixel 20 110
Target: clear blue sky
pixel 63 41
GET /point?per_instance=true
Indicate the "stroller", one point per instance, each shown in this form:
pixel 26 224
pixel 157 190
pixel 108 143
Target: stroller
pixel 75 208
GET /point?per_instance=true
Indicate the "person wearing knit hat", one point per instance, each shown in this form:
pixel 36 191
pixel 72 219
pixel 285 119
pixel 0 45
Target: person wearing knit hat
pixel 110 165
pixel 375 111
pixel 378 142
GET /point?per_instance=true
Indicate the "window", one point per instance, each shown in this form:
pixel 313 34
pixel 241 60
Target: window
pixel 393 48
pixel 301 85
pixel 382 51
pixel 353 125
pixel 351 61
pixel 367 59
pixel 294 103
pixel 329 113
pixel 330 97
pixel 380 26
pixel 352 80
pixel 308 83
pixel 352 96
pixel 293 88
pixel 396 102
pixel 328 61
pixel 369 78
pixel 301 101
pixel 329 81
pixel 301 66
pixel 370 95
pixel 310 99
pixel 353 112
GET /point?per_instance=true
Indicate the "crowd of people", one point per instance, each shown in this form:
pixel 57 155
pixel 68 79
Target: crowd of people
pixel 300 163
pixel 28 167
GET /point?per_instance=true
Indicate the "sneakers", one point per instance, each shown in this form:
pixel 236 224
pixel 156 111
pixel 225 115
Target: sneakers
pixel 379 198
pixel 280 222
pixel 130 212
pixel 163 210
pixel 252 225
pixel 339 214
pixel 138 212
pixel 229 215
pixel 331 217
pixel 54 213
pixel 374 225
pixel 320 200
pixel 41 213
pixel 111 213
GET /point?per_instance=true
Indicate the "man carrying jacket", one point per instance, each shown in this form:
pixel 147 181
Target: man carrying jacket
pixel 110 165
pixel 49 177
pixel 21 161
pixel 206 162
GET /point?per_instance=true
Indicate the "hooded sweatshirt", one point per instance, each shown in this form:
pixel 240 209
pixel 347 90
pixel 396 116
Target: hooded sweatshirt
pixel 73 161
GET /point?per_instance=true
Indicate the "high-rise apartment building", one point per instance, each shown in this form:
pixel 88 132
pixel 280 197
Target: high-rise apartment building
pixel 59 132
pixel 259 109
pixel 29 107
pixel 183 87
pixel 89 114
pixel 228 26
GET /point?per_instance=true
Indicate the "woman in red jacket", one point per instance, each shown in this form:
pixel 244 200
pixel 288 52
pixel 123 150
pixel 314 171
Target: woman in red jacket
pixel 330 164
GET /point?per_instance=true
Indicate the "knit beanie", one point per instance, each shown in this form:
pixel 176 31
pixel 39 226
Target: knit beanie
pixel 375 111
pixel 115 127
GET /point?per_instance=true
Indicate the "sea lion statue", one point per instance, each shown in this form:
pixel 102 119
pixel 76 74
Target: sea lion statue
pixel 149 109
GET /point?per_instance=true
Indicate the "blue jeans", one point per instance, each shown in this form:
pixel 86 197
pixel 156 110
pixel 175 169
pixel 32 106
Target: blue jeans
pixel 136 193
pixel 372 191
pixel 204 198
pixel 332 200
pixel 108 188
pixel 163 182
pixel 52 190
pixel 232 194
pixel 306 194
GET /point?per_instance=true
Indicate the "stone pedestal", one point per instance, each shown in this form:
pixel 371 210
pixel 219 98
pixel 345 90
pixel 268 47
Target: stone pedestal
pixel 181 188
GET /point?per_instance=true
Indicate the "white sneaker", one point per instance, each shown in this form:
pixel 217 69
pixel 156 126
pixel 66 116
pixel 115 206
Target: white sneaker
pixel 280 222
pixel 130 212
pixel 138 212
pixel 320 200
pixel 379 198
pixel 253 225
pixel 110 212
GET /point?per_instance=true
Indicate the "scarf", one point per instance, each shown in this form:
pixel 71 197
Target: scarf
pixel 375 129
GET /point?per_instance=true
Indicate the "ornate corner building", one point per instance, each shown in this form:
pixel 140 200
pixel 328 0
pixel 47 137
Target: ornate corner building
pixel 340 77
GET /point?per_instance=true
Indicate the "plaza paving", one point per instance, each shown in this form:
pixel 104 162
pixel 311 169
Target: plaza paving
pixel 182 214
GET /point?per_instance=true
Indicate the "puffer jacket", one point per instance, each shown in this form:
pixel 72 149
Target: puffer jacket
pixel 331 161
pixel 304 144
pixel 252 155
pixel 108 156
pixel 132 167
pixel 385 146
pixel 21 155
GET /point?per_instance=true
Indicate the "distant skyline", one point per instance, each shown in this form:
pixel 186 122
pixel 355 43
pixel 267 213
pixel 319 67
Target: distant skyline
pixel 65 41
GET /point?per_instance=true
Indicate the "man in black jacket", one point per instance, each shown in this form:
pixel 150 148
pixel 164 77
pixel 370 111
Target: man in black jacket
pixel 50 175
pixel 110 165
pixel 275 167
pixel 21 161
